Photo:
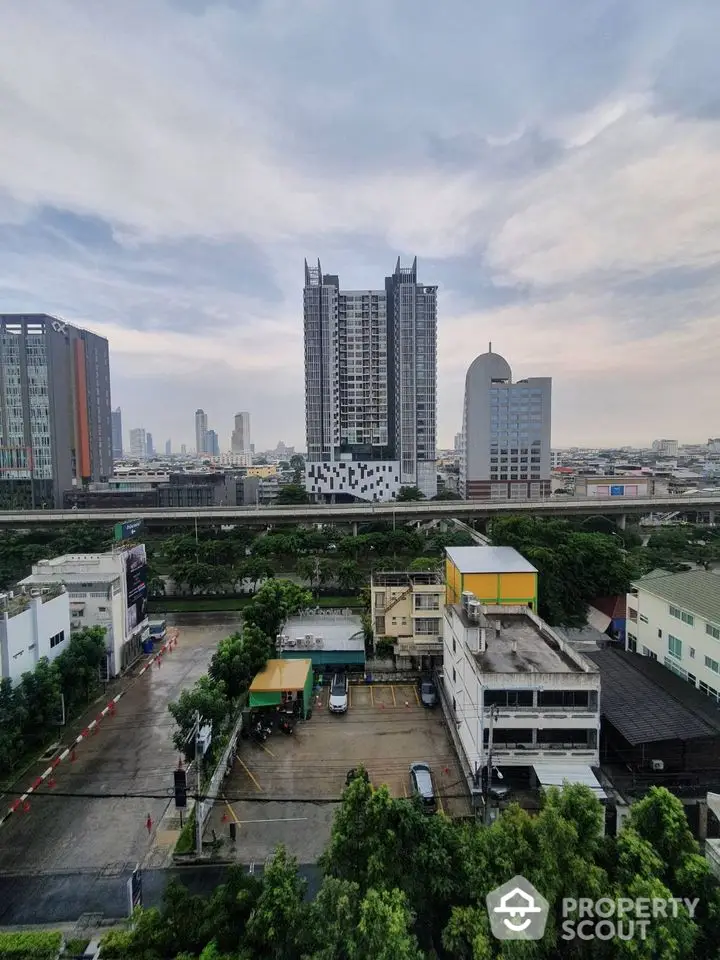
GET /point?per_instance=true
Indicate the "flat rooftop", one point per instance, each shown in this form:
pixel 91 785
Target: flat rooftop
pixel 489 560
pixel 339 631
pixel 279 675
pixel 524 644
pixel 403 578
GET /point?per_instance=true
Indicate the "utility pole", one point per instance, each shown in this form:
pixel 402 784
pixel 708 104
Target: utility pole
pixel 198 767
pixel 494 713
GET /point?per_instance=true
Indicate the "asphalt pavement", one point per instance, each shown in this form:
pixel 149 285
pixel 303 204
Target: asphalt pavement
pixel 131 753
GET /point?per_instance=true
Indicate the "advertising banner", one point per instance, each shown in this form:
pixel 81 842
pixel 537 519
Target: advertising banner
pixel 135 561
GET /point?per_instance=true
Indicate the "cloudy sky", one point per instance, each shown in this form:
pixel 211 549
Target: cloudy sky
pixel 166 165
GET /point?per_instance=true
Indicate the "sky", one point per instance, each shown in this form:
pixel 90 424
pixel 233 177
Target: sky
pixel 167 165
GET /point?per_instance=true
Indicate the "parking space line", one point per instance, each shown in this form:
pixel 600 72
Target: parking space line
pixel 232 812
pixel 350 689
pixel 267 750
pixel 392 690
pixel 417 698
pixel 244 766
pixel 404 789
pixel 442 806
pixel 372 698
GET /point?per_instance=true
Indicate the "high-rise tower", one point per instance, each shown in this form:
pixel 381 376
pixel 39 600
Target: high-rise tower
pixel 201 429
pixel 370 374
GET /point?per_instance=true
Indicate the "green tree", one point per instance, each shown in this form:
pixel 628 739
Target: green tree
pixel 292 493
pixel 406 494
pixel 207 697
pixel 297 465
pixel 238 659
pixel 315 570
pixel 350 577
pixel 79 665
pixel 12 724
pixel 447 495
pixel 424 563
pixel 274 602
pixel 40 692
pixel 384 929
pixel 255 569
pixel 277 926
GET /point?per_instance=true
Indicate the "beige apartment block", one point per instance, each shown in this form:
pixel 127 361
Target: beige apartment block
pixel 407 607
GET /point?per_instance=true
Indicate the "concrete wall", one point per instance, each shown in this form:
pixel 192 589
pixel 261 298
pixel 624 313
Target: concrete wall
pixel 25 637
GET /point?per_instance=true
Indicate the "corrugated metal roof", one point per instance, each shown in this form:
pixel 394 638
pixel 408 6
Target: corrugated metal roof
pixel 647 703
pixel 555 775
pixel 489 560
pixel 280 675
pixel 697 591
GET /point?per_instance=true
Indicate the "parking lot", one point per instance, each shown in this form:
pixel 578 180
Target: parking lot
pixel 282 791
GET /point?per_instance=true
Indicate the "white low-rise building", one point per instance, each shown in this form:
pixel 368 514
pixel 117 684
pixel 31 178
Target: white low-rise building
pixel 107 590
pixel 675 618
pixel 516 690
pixel 34 623
pixel 406 607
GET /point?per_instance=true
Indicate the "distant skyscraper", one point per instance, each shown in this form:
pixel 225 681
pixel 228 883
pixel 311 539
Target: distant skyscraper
pixel 138 443
pixel 117 434
pixel 149 445
pixel 212 444
pixel 457 446
pixel 168 448
pixel 183 449
pixel 240 440
pixel 55 424
pixel 370 373
pixel 666 448
pixel 201 429
pixel 506 432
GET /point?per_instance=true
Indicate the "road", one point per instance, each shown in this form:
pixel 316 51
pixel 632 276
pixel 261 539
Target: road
pixel 131 753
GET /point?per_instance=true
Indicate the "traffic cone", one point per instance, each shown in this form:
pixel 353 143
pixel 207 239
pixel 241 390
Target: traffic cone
pixel 26 807
pixel 52 783
pixel 224 818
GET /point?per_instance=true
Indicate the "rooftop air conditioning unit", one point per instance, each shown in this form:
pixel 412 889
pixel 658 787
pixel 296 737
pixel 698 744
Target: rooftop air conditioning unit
pixel 309 637
pixel 473 609
pixel 318 641
pixel 657 765
pixel 287 642
pixel 466 597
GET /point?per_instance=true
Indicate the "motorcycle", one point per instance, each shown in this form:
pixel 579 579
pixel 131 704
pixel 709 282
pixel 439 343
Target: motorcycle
pixel 287 726
pixel 259 733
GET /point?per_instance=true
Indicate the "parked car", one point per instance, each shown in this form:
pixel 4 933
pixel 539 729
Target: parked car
pixel 421 785
pixel 428 693
pixel 338 702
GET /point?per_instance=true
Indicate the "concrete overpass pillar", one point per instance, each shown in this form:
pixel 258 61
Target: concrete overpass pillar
pixel 702 819
pixel 355 528
pixel 622 521
pixel 711 517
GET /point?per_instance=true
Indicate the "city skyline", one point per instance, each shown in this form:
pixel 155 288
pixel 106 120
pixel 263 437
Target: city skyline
pixel 573 224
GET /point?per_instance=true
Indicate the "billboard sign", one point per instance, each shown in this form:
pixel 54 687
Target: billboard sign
pixel 128 529
pixel 135 564
pixel 617 490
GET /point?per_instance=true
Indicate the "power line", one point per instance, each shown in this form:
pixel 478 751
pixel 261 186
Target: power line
pixel 168 795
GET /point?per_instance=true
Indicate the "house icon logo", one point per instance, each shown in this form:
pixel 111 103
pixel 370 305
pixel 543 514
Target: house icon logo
pixel 517 911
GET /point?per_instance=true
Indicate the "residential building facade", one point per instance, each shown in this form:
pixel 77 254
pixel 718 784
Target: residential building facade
pixel 519 695
pixel 370 381
pixel 34 623
pixel 506 433
pixel 117 434
pixel 674 618
pixel 666 448
pixel 407 608
pixel 55 424
pixel 149 446
pixel 138 443
pixel 108 590
pixel 240 440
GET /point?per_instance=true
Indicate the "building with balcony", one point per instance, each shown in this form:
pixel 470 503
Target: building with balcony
pixel 34 623
pixel 370 378
pixel 106 590
pixel 674 618
pixel 495 575
pixel 407 607
pixel 519 695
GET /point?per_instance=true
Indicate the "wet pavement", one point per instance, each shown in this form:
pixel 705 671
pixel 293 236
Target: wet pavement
pixel 131 753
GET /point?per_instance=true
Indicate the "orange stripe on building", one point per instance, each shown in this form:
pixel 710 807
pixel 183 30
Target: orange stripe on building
pixel 82 429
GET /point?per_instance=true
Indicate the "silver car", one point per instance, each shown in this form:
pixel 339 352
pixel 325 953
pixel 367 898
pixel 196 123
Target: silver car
pixel 421 785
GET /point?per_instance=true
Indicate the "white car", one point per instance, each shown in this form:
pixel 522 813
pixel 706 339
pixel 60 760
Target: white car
pixel 338 702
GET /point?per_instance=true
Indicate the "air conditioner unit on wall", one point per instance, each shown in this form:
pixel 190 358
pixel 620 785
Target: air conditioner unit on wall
pixel 657 765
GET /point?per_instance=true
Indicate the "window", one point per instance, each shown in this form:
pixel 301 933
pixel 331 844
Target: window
pixel 659 634
pixel 643 618
pixel 712 664
pixel 632 644
pixel 427 626
pixel 57 639
pixel 427 601
pixel 712 631
pixel 674 647
pixel 692 653
pixel 454 676
pixel 679 614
